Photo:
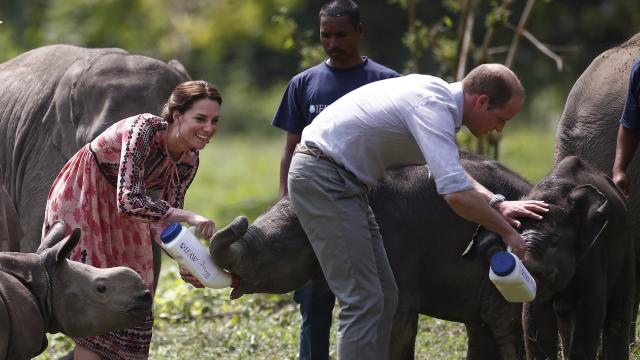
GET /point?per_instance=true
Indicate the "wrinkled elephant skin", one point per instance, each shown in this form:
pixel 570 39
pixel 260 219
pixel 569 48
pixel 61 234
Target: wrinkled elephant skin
pixel 57 98
pixel 424 240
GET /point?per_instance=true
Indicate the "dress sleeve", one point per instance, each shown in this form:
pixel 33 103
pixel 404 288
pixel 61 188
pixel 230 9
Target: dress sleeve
pixel 137 145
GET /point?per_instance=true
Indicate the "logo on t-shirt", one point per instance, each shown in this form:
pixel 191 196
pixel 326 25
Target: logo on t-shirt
pixel 317 108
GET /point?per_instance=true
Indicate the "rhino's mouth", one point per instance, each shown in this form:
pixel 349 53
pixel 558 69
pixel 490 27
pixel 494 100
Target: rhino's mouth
pixel 141 306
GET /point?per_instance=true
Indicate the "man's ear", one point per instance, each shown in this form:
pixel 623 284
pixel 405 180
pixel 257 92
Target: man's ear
pixel 483 101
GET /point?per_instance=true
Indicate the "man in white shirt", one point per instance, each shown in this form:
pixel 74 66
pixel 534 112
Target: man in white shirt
pixel 389 123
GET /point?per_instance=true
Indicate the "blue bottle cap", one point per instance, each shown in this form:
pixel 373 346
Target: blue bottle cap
pixel 170 232
pixel 502 263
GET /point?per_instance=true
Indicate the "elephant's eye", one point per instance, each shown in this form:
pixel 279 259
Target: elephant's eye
pixel 101 288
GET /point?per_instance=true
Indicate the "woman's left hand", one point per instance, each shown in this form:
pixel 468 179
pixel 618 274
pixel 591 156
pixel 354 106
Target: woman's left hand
pixel 188 278
pixel 533 209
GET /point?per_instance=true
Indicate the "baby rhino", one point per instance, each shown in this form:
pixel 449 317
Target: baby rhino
pixel 46 292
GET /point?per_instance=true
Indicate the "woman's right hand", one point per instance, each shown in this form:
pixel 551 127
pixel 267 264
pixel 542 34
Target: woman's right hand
pixel 205 227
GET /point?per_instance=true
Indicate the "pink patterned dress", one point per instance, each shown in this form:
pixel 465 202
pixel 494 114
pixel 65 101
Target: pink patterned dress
pixel 119 190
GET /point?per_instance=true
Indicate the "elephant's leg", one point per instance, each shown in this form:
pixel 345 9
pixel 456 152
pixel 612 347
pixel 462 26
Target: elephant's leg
pixel 618 320
pixel 504 320
pixel 589 319
pixel 404 329
pixel 564 320
pixel 4 330
pixel 480 344
pixel 540 331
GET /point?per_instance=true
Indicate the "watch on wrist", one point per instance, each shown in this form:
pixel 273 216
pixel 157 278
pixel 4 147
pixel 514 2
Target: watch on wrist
pixel 496 199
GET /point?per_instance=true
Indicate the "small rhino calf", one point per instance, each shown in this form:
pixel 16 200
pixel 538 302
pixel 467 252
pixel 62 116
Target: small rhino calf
pixel 46 292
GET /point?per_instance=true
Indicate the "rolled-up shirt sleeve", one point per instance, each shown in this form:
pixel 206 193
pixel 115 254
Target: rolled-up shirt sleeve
pixel 432 126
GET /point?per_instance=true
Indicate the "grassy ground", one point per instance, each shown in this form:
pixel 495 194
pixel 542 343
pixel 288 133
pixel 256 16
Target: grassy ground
pixel 239 176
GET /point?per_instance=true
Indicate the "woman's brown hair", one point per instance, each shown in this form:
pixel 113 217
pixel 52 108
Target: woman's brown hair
pixel 187 93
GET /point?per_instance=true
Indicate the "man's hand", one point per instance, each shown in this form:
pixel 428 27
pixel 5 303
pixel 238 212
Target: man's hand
pixel 622 182
pixel 511 210
pixel 515 241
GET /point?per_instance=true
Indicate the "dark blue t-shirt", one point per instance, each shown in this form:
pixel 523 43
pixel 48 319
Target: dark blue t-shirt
pixel 309 92
pixel 630 116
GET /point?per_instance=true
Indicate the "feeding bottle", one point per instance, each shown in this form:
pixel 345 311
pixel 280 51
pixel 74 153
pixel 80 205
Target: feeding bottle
pixel 511 278
pixel 184 246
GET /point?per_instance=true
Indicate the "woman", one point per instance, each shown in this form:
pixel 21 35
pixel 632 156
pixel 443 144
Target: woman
pixel 124 187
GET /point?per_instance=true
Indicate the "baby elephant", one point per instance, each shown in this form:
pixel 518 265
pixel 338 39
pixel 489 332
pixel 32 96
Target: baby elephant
pixel 46 292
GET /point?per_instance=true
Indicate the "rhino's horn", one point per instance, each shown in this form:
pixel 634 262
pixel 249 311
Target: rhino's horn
pixel 220 247
pixel 53 236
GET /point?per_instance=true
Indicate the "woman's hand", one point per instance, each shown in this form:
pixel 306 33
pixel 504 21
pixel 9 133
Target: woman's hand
pixel 188 278
pixel 204 226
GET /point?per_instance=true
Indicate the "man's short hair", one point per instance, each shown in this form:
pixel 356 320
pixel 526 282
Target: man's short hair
pixel 496 81
pixel 337 8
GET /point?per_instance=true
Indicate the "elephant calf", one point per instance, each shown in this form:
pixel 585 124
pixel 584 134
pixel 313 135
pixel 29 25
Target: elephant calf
pixel 424 240
pixel 584 259
pixel 44 292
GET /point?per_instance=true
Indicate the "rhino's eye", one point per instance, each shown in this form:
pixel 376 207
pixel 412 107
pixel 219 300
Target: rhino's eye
pixel 101 288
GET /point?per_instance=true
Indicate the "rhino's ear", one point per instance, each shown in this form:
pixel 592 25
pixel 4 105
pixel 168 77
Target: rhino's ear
pixel 64 247
pixel 589 207
pixel 53 236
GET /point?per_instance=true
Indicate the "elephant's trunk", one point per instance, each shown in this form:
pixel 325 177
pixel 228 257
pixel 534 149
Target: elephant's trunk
pixel 223 253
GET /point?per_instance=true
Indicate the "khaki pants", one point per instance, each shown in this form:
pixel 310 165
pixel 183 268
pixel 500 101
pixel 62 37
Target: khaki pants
pixel 333 209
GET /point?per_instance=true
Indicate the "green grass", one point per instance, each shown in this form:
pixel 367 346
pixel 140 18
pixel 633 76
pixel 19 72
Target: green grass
pixel 240 176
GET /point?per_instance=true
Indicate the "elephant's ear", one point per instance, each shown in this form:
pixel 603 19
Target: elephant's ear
pixel 177 65
pixel 483 245
pixel 589 208
pixel 61 118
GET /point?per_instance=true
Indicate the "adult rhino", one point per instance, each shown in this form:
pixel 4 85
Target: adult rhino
pixel 424 240
pixel 57 98
pixel 45 292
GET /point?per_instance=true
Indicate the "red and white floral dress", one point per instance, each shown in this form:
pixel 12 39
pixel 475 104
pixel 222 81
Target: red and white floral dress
pixel 118 190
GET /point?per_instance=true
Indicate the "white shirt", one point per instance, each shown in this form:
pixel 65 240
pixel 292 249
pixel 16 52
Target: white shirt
pixel 408 120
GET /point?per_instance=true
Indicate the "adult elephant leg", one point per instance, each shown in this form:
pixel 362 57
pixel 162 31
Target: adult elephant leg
pixel 405 328
pixel 615 345
pixel 480 344
pixel 540 331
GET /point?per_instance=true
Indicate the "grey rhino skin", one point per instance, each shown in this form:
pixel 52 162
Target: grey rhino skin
pixel 57 98
pixel 583 258
pixel 10 230
pixel 424 241
pixel 45 292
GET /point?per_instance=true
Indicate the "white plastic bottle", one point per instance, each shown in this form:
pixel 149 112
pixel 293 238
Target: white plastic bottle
pixel 184 246
pixel 511 278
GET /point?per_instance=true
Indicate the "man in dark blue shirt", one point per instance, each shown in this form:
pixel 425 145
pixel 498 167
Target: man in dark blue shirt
pixel 307 94
pixel 629 131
